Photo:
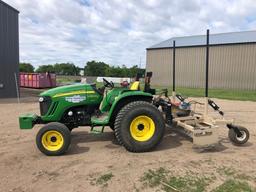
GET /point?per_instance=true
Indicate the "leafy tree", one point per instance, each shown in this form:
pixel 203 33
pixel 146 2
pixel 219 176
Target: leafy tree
pixel 45 68
pixel 60 69
pixel 66 69
pixel 26 67
pixel 134 70
pixel 117 72
pixel 94 68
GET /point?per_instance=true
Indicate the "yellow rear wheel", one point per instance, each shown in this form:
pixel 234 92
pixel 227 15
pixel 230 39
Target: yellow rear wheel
pixel 139 126
pixel 142 128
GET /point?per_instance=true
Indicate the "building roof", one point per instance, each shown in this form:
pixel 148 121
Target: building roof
pixel 214 39
pixel 9 6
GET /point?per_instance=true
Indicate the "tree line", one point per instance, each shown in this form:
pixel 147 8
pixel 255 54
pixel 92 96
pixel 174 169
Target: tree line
pixel 92 68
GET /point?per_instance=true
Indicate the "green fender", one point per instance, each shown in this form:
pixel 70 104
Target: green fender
pixel 136 95
pixel 122 96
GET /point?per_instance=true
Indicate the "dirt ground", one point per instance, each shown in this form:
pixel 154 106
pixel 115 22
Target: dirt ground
pixel 24 168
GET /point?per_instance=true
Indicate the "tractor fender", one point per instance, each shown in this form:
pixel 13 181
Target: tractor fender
pixel 125 98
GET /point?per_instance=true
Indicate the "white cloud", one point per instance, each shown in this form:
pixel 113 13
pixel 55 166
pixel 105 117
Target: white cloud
pixel 118 32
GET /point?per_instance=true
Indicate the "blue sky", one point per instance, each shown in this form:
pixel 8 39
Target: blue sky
pixel 116 31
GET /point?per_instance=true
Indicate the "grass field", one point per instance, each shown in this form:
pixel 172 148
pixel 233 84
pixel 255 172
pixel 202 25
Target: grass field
pixel 67 79
pixel 217 93
pixel 242 95
pixel 163 179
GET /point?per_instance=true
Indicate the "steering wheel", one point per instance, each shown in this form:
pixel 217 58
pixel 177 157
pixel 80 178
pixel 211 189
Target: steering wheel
pixel 107 83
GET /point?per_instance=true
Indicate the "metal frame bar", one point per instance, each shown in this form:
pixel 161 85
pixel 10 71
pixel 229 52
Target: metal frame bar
pixel 173 66
pixel 173 71
pixel 207 64
pixel 206 74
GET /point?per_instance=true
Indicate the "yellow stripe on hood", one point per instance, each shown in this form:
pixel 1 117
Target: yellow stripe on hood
pixel 73 93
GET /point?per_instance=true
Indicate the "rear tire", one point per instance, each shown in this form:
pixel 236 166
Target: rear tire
pixel 53 139
pixel 139 126
pixel 239 140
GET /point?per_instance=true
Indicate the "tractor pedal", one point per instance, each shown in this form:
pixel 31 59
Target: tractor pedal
pixel 97 130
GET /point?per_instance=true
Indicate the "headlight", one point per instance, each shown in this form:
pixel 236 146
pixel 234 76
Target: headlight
pixel 45 103
pixel 41 99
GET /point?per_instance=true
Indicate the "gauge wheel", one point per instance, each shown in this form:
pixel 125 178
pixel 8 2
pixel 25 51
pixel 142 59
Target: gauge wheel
pixel 239 140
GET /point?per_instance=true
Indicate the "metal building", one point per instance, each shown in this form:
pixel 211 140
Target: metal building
pixel 9 50
pixel 232 61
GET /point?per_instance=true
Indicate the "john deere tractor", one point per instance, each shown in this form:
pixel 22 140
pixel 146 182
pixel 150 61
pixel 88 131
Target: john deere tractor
pixel 137 123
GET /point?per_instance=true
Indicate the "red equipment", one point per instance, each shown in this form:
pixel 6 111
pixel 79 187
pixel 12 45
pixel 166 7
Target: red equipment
pixel 37 80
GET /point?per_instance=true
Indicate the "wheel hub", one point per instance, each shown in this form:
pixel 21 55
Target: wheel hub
pixel 53 139
pixel 242 137
pixel 142 128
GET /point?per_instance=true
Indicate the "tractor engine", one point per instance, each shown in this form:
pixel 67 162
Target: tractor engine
pixel 78 116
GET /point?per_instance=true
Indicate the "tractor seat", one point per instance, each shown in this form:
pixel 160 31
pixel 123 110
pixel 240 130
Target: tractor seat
pixel 135 86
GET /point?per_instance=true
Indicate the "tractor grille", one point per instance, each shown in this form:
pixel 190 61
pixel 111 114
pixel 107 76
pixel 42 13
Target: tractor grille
pixel 53 108
pixel 45 105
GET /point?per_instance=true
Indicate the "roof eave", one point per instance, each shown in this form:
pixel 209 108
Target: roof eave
pixel 190 46
pixel 9 6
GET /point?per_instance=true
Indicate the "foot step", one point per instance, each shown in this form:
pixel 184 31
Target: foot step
pixel 99 130
pixel 101 119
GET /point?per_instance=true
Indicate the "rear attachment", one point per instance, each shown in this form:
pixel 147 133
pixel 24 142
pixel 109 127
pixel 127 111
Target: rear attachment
pixel 204 134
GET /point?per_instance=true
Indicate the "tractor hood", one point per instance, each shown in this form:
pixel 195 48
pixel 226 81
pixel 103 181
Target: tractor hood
pixel 65 89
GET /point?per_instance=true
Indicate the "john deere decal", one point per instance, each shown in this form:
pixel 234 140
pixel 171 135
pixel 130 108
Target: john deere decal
pixel 75 99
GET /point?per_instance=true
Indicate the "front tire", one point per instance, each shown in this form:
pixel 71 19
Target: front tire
pixel 53 139
pixel 234 138
pixel 139 126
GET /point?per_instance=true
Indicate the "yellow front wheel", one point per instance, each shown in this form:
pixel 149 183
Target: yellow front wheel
pixel 53 139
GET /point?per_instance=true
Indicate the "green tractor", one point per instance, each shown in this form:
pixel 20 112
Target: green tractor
pixel 130 112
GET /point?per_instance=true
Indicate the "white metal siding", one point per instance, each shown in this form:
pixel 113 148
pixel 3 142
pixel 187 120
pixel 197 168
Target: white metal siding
pixel 230 66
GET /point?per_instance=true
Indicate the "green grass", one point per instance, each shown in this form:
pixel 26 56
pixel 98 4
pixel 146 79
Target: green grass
pixel 242 95
pixel 161 177
pixel 191 182
pixel 227 171
pixel 67 79
pixel 234 174
pixel 188 183
pixel 103 179
pixel 229 94
pixel 234 186
pixel 153 178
